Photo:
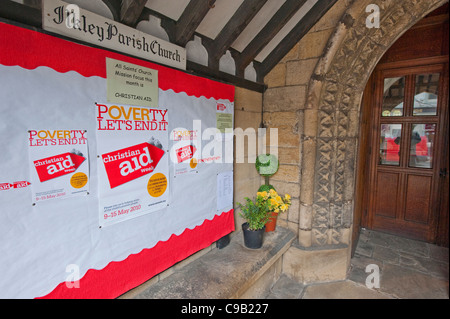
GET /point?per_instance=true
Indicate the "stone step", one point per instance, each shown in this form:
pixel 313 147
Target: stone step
pixel 232 272
pixel 286 288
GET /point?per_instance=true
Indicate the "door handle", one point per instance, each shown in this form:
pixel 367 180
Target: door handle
pixel 443 172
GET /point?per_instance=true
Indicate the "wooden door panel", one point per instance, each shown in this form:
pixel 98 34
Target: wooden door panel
pixel 418 199
pixel 386 197
pixel 404 182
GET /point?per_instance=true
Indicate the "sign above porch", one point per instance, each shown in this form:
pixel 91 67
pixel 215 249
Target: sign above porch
pixel 74 22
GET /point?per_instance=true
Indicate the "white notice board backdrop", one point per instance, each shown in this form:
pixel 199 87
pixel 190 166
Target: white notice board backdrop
pixel 61 90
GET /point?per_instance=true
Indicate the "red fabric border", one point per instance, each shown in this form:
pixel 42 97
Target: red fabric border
pixel 119 277
pixel 31 49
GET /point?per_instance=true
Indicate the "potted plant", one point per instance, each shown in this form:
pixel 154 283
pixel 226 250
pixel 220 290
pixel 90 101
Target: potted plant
pixel 276 205
pixel 255 212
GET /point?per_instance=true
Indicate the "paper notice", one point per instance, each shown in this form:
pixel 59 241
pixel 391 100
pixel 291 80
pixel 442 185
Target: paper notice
pixel 224 191
pixel 131 84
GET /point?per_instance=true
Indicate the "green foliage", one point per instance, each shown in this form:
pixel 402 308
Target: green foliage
pixel 267 164
pixel 265 188
pixel 255 212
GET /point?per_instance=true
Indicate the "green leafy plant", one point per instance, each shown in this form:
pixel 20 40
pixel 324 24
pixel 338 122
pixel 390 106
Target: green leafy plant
pixel 265 188
pixel 255 212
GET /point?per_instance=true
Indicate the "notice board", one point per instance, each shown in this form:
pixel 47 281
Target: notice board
pixel 104 185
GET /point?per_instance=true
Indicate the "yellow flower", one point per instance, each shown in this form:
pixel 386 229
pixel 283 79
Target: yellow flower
pixel 275 202
pixel 262 194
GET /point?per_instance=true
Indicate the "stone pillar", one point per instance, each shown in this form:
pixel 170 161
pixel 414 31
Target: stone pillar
pixel 332 109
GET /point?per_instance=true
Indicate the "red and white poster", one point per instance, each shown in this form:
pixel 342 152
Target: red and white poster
pixel 185 151
pixel 58 164
pixel 133 162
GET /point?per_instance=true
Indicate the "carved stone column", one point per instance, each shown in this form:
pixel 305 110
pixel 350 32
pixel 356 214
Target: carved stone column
pixel 331 121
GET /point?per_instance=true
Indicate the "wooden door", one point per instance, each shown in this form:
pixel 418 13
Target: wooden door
pixel 407 139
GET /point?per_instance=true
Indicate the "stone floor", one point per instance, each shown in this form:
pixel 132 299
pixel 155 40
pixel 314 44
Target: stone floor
pixel 408 269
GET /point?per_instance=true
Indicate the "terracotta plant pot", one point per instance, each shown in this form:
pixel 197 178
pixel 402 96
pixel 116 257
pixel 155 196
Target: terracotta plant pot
pixel 272 223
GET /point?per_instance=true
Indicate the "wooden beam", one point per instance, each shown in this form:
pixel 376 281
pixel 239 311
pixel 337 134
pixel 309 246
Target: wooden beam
pixel 21 13
pixel 204 71
pixel 258 68
pixel 130 11
pixel 296 34
pixel 275 24
pixel 183 30
pixel 242 17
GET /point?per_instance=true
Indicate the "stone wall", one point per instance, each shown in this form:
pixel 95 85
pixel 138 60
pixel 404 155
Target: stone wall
pixel 285 109
pixel 247 114
pixel 314 97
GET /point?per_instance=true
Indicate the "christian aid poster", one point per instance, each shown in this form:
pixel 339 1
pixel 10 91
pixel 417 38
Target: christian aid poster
pixel 59 163
pixel 132 161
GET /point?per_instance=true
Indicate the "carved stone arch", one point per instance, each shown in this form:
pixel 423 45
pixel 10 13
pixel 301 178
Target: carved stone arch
pixel 331 121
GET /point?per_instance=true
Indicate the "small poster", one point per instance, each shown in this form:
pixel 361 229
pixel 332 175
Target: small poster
pixel 132 161
pixel 185 154
pixel 131 84
pixel 59 163
pixel 224 116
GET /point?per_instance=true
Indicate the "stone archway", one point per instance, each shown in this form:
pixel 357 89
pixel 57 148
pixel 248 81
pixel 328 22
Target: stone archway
pixel 331 121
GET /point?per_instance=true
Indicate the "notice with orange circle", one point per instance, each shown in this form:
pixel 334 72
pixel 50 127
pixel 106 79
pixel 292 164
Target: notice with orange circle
pixel 157 185
pixel 134 162
pixel 59 163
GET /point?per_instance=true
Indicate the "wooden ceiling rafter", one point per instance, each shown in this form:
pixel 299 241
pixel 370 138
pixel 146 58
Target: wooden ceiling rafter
pixel 130 11
pixel 182 31
pixel 275 24
pixel 295 35
pixel 230 32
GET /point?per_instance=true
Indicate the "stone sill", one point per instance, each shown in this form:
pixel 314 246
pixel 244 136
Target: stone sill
pixel 225 273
